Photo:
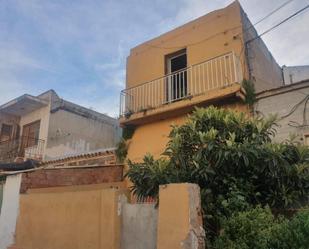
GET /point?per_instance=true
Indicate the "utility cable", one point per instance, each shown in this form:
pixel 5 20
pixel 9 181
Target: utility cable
pixel 280 23
pixel 272 12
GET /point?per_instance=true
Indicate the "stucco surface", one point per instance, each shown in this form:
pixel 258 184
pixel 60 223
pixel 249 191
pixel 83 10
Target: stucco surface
pixel 153 137
pixel 146 61
pixel 179 221
pixel 79 219
pixel 70 133
pixel 139 226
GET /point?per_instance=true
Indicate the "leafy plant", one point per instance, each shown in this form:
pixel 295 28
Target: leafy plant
pixel 257 228
pixel 250 97
pixel 121 150
pixel 231 157
pixel 251 229
pixel 293 234
pixel 127 132
pixel 122 146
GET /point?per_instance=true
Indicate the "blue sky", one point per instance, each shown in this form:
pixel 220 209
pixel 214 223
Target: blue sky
pixel 79 48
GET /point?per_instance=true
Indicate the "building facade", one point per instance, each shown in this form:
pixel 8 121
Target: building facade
pixel 290 104
pixel 46 127
pixel 294 74
pixel 201 63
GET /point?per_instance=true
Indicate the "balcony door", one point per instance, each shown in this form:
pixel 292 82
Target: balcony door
pixel 30 135
pixel 176 81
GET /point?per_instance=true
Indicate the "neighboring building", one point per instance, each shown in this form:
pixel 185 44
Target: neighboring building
pixel 46 127
pixel 290 104
pixel 198 64
pixel 295 74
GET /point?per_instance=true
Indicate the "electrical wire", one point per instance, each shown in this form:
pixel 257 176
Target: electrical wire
pixel 280 23
pixel 272 12
pixel 294 108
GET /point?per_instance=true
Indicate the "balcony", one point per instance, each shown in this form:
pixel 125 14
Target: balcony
pixel 25 147
pixel 219 76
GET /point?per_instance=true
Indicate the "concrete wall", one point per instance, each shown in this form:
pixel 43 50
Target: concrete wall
pixel 70 133
pixel 139 226
pixel 79 220
pixel 261 65
pixel 295 74
pixel 9 210
pixel 281 103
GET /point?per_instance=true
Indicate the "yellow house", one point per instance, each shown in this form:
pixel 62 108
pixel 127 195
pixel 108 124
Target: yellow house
pixel 201 63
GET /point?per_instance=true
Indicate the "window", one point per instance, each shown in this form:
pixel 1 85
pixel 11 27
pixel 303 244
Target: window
pixel 30 135
pixel 176 82
pixel 6 132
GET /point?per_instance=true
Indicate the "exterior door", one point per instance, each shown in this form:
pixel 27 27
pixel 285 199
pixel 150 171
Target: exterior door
pixel 30 134
pixel 177 75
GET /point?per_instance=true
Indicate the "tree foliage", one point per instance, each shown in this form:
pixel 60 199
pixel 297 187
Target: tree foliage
pixel 232 159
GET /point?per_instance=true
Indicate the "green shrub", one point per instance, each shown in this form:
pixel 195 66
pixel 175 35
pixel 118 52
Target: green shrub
pixel 293 234
pixel 232 159
pixel 259 229
pixel 121 150
pixel 251 229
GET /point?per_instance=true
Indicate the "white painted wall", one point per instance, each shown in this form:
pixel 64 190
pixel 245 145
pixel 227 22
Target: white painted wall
pixel 295 74
pixel 9 210
pixel 70 133
pixel 281 105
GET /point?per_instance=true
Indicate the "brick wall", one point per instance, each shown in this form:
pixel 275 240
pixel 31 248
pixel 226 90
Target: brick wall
pixel 57 177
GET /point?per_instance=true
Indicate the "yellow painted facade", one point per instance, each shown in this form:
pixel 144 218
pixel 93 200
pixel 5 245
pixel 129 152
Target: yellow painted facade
pixel 152 137
pixel 210 36
pixel 217 60
pixel 68 219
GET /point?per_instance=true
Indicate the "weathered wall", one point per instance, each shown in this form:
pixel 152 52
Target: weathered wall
pixel 139 226
pixel 46 178
pixel 98 217
pixel 77 220
pixel 9 210
pixel 180 218
pixel 281 102
pixel 70 133
pixel 204 38
pixel 295 74
pixel 262 66
pixel 10 120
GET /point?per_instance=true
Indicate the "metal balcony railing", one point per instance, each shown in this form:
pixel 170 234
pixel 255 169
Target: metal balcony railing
pixel 26 147
pixel 192 81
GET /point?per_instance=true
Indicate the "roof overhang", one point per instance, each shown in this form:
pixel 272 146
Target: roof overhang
pixel 23 105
